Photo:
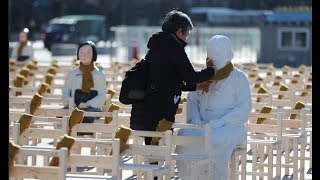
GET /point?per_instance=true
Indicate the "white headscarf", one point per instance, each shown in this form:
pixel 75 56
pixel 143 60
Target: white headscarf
pixel 219 50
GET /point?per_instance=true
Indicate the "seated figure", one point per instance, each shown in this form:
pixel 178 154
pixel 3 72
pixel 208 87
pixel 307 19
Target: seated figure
pixel 224 102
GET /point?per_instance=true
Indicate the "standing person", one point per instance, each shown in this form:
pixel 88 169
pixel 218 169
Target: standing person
pixel 170 72
pixel 224 103
pixel 23 51
pixel 86 84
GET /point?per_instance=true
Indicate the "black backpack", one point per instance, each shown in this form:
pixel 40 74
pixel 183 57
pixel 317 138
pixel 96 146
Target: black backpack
pixel 134 86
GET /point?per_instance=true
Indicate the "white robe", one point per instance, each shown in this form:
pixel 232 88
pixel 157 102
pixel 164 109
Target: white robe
pixel 227 101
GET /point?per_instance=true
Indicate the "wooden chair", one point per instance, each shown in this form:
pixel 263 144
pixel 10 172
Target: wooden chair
pixel 237 163
pixel 144 153
pixel 195 159
pixel 293 136
pixel 101 159
pixel 308 117
pixel 264 136
pixel 22 170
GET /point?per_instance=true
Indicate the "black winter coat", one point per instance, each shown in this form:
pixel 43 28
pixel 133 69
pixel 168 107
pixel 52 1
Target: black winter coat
pixel 171 72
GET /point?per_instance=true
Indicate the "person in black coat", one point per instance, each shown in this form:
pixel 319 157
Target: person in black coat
pixel 170 72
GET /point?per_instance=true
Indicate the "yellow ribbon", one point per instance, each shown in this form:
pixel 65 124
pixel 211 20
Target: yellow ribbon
pixel 163 125
pixel 13 151
pixel 66 141
pixel 112 107
pixel 25 121
pixel 299 105
pixel 265 109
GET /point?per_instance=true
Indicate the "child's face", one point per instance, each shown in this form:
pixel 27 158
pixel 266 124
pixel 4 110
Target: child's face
pixel 85 54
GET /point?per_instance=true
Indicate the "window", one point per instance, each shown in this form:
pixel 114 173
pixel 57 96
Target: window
pixel 293 39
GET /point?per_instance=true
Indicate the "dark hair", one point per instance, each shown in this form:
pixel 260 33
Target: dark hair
pixel 175 20
pixel 94 49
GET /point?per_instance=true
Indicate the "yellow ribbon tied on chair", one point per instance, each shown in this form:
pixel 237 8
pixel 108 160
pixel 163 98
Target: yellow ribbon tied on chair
pixel 55 63
pixel 179 110
pixel 112 108
pixel 261 90
pixel 257 85
pixel 122 133
pixel 12 62
pixel 18 82
pixel 25 72
pixel 269 73
pixel 66 141
pixel 111 92
pixel 34 61
pixel 283 87
pixel 265 109
pixel 13 150
pixel 299 105
pixel 285 69
pixel 183 99
pixel 309 86
pixel 75 118
pixel 31 65
pixel 163 125
pixel 304 93
pixel 49 78
pixel 35 103
pixel 25 121
pixel 52 70
pixel 259 79
pixel 43 88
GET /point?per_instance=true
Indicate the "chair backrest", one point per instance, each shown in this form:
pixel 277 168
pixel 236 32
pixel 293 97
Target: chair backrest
pixel 295 126
pixel 101 130
pixel 40 133
pixel 161 150
pixel 101 159
pixel 194 141
pixel 49 112
pixel 257 129
pixel 25 170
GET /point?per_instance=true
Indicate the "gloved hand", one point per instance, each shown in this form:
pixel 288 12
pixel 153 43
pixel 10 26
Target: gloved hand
pixel 216 123
pixel 83 105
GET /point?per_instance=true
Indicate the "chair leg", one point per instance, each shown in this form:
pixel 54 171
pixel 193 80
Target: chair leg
pixel 232 169
pixel 295 159
pixel 243 164
pixel 302 160
pixel 278 162
pixel 270 162
pixel 194 171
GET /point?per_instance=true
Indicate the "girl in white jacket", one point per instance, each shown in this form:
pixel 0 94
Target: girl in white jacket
pixel 23 51
pixel 224 102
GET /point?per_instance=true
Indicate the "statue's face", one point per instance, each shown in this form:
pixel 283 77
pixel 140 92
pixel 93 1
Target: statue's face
pixel 23 36
pixel 85 54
